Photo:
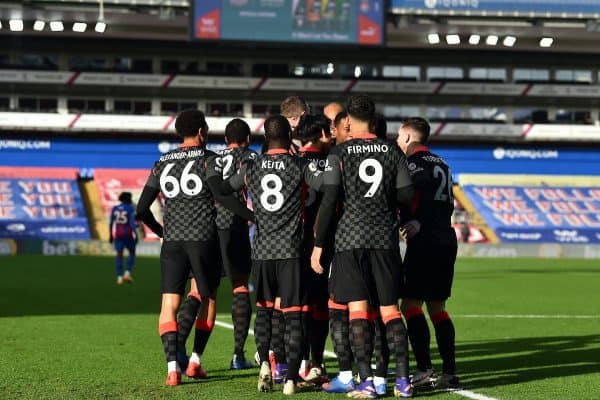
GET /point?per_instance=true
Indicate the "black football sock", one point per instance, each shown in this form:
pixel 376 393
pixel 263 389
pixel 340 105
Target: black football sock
pixel 419 336
pixel 398 342
pixel 277 336
pixel 361 341
pixel 319 330
pixel 185 319
pixel 203 330
pixel 168 336
pixel 306 320
pixel 262 332
pixel 241 313
pixel 340 335
pixel 445 336
pixel 381 349
pixel 293 343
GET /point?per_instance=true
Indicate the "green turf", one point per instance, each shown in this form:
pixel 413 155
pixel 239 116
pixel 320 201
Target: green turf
pixel 68 332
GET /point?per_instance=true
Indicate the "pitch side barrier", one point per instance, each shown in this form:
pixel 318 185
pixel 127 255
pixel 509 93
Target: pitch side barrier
pixel 100 248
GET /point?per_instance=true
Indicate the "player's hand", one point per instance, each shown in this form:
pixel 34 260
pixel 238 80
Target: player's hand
pixel 410 229
pixel 315 260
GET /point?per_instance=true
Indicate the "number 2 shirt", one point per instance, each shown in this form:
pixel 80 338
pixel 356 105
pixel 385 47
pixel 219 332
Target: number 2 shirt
pixel 181 176
pixel 274 180
pixel 370 170
pixel 230 161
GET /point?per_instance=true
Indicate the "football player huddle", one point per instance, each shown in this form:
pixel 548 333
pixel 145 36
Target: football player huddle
pixel 330 197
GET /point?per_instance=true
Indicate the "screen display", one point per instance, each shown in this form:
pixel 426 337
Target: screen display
pixel 302 21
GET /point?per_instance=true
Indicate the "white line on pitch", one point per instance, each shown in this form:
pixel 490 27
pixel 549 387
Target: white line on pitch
pixel 464 393
pixel 472 395
pixel 526 316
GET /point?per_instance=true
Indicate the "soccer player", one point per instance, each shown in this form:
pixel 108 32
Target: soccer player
pixel 274 180
pixel 338 312
pixel 430 254
pixel 293 108
pixel 122 221
pixel 380 349
pixel 186 178
pixel 234 238
pixel 366 264
pixel 341 129
pixel 315 135
pixel 331 111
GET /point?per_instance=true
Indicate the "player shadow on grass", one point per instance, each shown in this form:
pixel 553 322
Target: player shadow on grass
pixel 498 362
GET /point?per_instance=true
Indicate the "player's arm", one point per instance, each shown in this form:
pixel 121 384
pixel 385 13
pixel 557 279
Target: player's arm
pixel 331 185
pixel 110 225
pixel 143 212
pixel 223 190
pixel 405 193
pixel 312 175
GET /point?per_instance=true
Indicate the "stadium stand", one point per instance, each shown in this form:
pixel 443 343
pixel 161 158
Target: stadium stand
pixel 545 209
pixel 112 182
pixel 41 203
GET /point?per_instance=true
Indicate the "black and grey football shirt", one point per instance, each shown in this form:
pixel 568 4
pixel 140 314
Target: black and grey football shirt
pixel 312 198
pixel 229 162
pixel 274 180
pixel 369 170
pixel 181 177
pixel 433 203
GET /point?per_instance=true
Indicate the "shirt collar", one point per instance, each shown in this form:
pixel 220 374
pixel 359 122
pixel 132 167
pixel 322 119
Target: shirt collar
pixel 363 135
pixel 277 151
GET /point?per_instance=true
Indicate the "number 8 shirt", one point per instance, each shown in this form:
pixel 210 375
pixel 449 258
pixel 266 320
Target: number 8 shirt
pixel 190 211
pixel 274 180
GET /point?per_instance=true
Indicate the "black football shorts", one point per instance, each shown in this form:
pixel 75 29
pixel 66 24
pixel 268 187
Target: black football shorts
pixel 278 278
pixel 366 274
pixel 429 271
pixel 178 257
pixel 235 253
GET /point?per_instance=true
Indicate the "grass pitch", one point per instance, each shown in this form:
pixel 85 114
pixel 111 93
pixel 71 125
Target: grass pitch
pixel 526 329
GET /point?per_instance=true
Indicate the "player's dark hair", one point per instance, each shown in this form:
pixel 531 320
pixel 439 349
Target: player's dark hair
pixel 277 132
pixel 361 107
pixel 379 127
pixel 237 131
pixel 311 127
pixel 125 197
pixel 419 125
pixel 189 122
pixel 338 118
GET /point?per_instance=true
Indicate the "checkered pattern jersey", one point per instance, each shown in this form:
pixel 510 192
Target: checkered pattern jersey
pixel 189 213
pixel 433 203
pixel 369 169
pixel 230 160
pixel 312 198
pixel 275 183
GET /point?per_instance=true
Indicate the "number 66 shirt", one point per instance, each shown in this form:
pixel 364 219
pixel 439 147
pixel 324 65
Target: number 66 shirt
pixel 274 180
pixel 181 176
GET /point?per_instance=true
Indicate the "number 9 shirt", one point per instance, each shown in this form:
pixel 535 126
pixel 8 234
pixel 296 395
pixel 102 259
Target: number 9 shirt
pixel 370 171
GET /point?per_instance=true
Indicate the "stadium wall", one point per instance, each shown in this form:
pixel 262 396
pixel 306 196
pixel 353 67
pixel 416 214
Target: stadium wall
pixel 130 153
pixel 103 248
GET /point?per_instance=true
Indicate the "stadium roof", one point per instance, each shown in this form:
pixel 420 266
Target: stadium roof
pixel 406 28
